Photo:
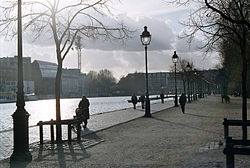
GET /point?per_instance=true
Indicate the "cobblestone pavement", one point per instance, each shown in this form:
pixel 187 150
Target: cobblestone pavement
pixel 96 123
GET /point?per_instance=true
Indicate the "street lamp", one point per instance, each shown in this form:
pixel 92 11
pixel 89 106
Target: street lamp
pixel 189 68
pixel 20 116
pixel 145 39
pixel 195 84
pixel 175 60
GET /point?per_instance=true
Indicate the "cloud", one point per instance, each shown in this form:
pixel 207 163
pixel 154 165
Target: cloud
pixel 128 57
pixel 122 62
pixel 182 45
pixel 162 35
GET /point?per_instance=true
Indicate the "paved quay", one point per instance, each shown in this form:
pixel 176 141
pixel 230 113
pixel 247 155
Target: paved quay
pixel 168 139
pixel 96 123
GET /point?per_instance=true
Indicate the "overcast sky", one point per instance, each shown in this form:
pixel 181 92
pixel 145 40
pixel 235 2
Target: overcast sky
pixel 162 21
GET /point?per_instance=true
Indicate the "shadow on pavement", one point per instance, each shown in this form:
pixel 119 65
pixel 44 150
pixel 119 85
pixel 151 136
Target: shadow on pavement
pixel 186 125
pixel 66 153
pixel 196 115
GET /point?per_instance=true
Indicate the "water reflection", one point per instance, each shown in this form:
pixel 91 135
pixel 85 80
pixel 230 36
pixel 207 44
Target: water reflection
pixel 46 109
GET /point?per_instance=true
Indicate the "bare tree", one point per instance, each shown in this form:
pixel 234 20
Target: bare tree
pixel 224 20
pixel 181 67
pixel 63 21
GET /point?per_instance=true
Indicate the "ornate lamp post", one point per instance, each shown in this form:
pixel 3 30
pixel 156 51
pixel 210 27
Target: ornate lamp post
pixel 175 60
pixel 145 39
pixel 189 68
pixel 20 116
pixel 195 84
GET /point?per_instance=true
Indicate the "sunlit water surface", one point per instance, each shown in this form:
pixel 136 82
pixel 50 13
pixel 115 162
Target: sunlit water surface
pixel 43 110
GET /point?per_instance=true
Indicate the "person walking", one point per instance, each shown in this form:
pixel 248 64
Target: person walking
pixel 142 99
pixel 84 107
pixel 134 100
pixel 162 97
pixel 182 101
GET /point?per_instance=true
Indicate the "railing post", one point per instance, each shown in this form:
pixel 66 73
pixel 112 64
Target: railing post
pixel 69 133
pixel 52 132
pixel 41 132
pixel 78 131
pixel 229 153
pixel 226 132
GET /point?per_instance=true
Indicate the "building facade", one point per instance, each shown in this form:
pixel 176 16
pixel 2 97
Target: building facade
pixel 44 74
pixel 158 82
pixel 73 82
pixel 8 77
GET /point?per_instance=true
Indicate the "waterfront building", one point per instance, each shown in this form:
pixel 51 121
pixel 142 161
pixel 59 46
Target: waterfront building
pixel 73 83
pixel 44 74
pixel 8 77
pixel 158 82
pixel 134 83
pixel 179 83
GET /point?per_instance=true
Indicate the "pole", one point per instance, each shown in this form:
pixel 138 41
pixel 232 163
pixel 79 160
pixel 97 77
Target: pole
pixel 20 116
pixel 147 109
pixel 189 87
pixel 175 101
pixel 79 52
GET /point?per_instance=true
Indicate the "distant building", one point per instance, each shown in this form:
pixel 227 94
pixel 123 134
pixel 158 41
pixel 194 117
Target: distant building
pixel 73 83
pixel 44 74
pixel 8 77
pixel 171 83
pixel 134 83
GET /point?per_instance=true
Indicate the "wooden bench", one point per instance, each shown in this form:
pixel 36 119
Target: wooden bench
pixel 234 146
pixel 228 123
pixel 152 98
pixel 69 122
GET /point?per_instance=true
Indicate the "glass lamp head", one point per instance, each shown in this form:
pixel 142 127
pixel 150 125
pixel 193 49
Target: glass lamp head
pixel 175 57
pixel 188 66
pixel 145 37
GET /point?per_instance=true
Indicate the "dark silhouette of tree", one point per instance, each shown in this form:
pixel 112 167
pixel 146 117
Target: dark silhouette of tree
pixel 63 22
pixel 231 65
pixel 222 20
pixel 101 81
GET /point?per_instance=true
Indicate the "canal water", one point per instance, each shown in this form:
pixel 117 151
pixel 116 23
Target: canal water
pixel 44 110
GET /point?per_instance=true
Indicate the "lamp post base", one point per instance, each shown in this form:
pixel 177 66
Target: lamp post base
pixel 20 156
pixel 176 101
pixel 21 136
pixel 189 101
pixel 147 109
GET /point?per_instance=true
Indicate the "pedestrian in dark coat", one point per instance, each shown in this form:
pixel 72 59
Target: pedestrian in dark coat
pixel 84 106
pixel 142 99
pixel 182 101
pixel 134 100
pixel 162 97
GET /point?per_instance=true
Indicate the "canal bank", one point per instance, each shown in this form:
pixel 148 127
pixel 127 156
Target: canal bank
pixel 97 122
pixel 168 139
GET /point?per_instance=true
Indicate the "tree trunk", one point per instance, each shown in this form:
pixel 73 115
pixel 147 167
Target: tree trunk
pixel 184 87
pixel 58 95
pixel 244 87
